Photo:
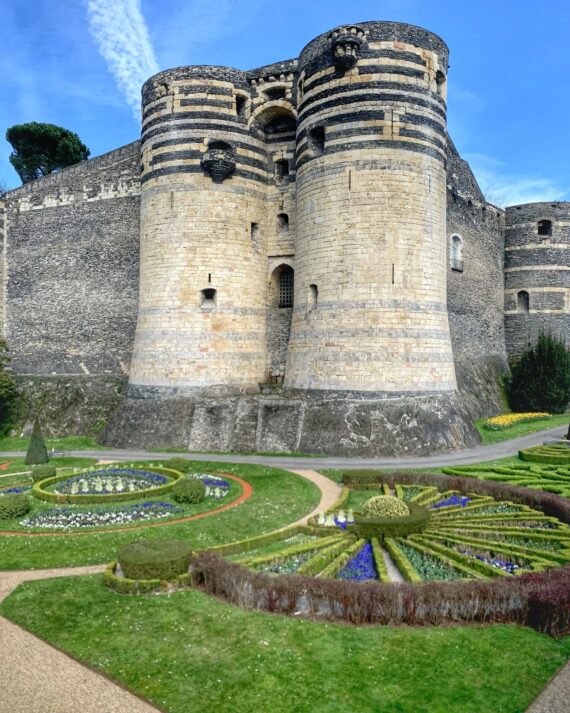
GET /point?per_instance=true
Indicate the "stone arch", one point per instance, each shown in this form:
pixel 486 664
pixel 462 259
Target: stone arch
pixel 281 285
pixel 274 117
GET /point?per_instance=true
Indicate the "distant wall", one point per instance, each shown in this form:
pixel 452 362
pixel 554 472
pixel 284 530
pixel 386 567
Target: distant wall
pixel 475 289
pixel 71 257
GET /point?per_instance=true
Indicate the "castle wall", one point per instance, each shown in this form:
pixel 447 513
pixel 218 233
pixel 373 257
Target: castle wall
pixel 71 281
pixel 370 290
pixel 537 274
pixel 475 289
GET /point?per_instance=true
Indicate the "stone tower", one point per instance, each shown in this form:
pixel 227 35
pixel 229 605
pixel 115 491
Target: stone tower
pixel 537 275
pixel 370 254
pixel 201 318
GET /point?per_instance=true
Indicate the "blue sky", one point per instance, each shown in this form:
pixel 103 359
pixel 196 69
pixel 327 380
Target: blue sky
pixel 80 63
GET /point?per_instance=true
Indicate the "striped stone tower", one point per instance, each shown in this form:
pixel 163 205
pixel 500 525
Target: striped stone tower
pixel 201 319
pixel 537 273
pixel 370 309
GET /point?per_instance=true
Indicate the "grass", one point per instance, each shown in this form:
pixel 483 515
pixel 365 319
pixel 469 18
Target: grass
pixel 279 498
pixel 69 443
pixel 522 429
pixel 187 652
pixel 17 465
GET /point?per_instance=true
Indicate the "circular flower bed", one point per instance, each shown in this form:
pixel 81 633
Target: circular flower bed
pixel 110 484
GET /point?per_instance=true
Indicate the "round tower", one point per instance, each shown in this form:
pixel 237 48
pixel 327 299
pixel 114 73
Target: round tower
pixel 537 274
pixel 370 256
pixel 201 319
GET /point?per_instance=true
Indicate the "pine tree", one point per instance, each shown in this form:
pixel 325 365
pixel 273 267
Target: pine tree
pixel 37 451
pixel 540 380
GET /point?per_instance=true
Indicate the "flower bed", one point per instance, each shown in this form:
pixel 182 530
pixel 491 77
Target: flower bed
pixel 216 487
pixel 506 420
pixel 72 518
pixel 106 485
pixel 547 477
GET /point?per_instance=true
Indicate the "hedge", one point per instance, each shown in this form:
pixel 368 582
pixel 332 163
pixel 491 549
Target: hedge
pixel 41 472
pixel 416 521
pixel 332 569
pixel 155 559
pixel 539 600
pixel 379 561
pixel 468 565
pixel 38 490
pixel 189 490
pixel 14 505
pixel 323 558
pixel 123 585
pixel 552 455
pixel 405 567
pixel 290 551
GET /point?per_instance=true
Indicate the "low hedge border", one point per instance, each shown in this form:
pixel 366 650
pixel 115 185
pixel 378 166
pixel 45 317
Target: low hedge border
pixel 253 543
pixel 39 492
pixel 406 568
pixel 290 551
pixel 332 569
pixel 416 521
pixel 467 565
pixel 540 600
pixel 342 501
pixel 550 455
pixel 323 558
pixel 122 585
pixel 379 561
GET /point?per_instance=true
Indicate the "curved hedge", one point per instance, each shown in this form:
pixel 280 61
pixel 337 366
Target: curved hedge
pixel 540 600
pixel 155 559
pixel 38 490
pixel 552 454
pixel 123 585
pixel 41 472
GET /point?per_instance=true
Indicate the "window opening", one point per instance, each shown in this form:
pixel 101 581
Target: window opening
pixel 523 302
pixel 313 296
pixel 240 105
pixel 208 297
pixel 545 228
pixel 317 140
pixel 281 169
pixel 457 253
pixel 282 221
pixel 275 93
pixel 286 284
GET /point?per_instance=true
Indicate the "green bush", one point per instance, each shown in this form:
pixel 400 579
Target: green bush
pixel 189 490
pixel 540 379
pixel 13 505
pixel 182 465
pixel 385 506
pixel 40 472
pixel 155 559
pixel 416 521
pixel 122 585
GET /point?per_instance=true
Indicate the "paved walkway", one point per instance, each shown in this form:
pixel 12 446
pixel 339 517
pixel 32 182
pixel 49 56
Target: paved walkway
pixel 468 455
pixel 37 678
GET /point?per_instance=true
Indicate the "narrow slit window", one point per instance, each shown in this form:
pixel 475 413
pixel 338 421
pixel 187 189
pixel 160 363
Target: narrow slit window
pixel 240 105
pixel 456 257
pixel 312 296
pixel 281 169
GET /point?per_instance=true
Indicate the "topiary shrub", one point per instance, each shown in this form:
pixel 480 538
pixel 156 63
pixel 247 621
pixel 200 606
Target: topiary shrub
pixel 182 465
pixel 385 506
pixel 40 472
pixel 37 451
pixel 189 490
pixel 13 505
pixel 155 559
pixel 540 379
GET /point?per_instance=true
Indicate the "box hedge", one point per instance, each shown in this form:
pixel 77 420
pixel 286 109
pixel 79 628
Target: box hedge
pixel 155 559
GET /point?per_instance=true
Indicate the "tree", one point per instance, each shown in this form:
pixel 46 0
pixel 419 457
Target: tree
pixel 40 149
pixel 8 391
pixel 540 380
pixel 37 451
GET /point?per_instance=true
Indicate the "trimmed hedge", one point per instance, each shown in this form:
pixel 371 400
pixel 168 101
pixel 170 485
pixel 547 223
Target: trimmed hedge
pixel 403 564
pixel 38 490
pixel 385 506
pixel 555 455
pixel 14 505
pixel 182 465
pixel 382 527
pixel 41 472
pixel 290 551
pixel 189 490
pixel 123 585
pixel 332 569
pixel 538 600
pixel 379 561
pixel 155 559
pixel 323 558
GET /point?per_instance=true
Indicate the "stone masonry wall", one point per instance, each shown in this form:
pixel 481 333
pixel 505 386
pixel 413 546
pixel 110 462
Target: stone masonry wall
pixel 475 285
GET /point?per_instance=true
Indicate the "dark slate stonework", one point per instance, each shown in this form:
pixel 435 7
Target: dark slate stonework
pixel 331 423
pixel 475 296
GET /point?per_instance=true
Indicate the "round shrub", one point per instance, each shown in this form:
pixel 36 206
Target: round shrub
pixel 182 465
pixel 189 490
pixel 13 505
pixel 155 559
pixel 385 506
pixel 40 472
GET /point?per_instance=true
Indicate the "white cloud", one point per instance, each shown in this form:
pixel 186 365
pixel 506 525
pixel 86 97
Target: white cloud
pixel 121 34
pixel 504 188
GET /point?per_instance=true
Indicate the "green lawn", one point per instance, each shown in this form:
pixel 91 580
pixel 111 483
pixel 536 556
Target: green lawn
pixel 17 465
pixel 279 498
pixel 187 652
pixel 522 429
pixel 69 443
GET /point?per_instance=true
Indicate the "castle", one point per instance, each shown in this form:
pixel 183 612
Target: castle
pixel 292 258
